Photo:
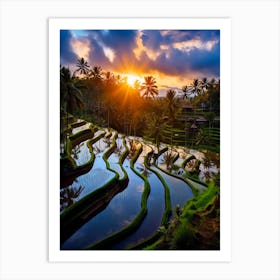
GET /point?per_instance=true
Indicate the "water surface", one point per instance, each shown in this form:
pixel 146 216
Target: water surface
pixel 119 213
pixel 95 178
pixel 155 205
pixel 180 192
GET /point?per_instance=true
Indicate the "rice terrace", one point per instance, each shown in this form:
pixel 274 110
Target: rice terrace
pixel 139 140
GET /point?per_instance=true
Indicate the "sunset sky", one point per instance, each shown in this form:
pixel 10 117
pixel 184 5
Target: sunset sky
pixel 173 57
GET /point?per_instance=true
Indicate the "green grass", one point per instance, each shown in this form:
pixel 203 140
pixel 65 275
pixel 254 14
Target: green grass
pixel 181 233
pixel 204 199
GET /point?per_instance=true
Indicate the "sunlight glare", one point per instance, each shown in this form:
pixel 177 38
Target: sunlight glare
pixel 131 79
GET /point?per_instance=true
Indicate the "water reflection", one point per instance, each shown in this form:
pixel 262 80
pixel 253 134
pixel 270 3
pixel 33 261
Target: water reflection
pixel 155 205
pixel 80 128
pixel 68 195
pixel 180 192
pixel 75 151
pixel 107 142
pixel 121 210
pixel 124 207
pixel 81 153
pixel 167 159
pixel 114 158
pixel 152 221
pixel 96 177
pixel 133 148
pixel 143 170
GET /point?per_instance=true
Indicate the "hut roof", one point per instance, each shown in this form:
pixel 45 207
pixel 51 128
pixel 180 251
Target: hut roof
pixel 194 126
pixel 187 106
pixel 201 119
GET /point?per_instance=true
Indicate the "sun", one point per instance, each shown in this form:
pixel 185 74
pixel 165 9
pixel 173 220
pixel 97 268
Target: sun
pixel 131 79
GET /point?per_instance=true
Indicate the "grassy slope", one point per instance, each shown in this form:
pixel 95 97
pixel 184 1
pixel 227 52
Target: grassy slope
pixel 198 226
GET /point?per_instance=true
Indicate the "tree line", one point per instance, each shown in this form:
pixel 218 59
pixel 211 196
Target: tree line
pixel 107 99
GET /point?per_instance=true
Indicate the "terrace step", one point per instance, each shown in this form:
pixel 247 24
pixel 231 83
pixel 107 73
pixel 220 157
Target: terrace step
pixel 90 211
pixel 122 232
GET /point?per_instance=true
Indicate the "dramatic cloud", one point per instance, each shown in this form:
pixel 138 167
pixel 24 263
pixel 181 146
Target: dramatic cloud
pixel 182 54
pixel 152 39
pixel 67 55
pixel 120 40
pixel 97 54
pixel 81 48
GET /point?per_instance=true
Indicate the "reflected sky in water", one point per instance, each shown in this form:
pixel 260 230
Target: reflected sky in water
pixel 152 221
pixel 98 175
pixel 180 192
pixel 120 212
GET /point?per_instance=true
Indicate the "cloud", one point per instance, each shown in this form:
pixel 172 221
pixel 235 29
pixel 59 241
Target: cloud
pixel 119 40
pixel 152 39
pixel 176 53
pixel 97 54
pixel 67 56
pixel 207 62
pixel 81 48
pixel 187 35
pixel 111 49
pixel 121 43
pixel 199 58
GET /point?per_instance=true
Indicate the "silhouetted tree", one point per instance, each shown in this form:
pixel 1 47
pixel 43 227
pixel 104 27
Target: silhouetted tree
pixel 82 66
pixel 149 87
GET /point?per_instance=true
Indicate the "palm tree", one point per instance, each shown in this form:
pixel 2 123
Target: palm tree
pixel 137 86
pixel 70 98
pixel 96 73
pixel 155 126
pixel 109 78
pixel 82 66
pixel 213 93
pixel 196 87
pixel 172 109
pixel 213 82
pixel 118 79
pixel 206 88
pixel 171 104
pixel 70 91
pixel 205 84
pixel 149 86
pixel 186 91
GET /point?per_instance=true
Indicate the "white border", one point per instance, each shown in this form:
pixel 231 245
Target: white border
pixel 255 58
pixel 223 255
